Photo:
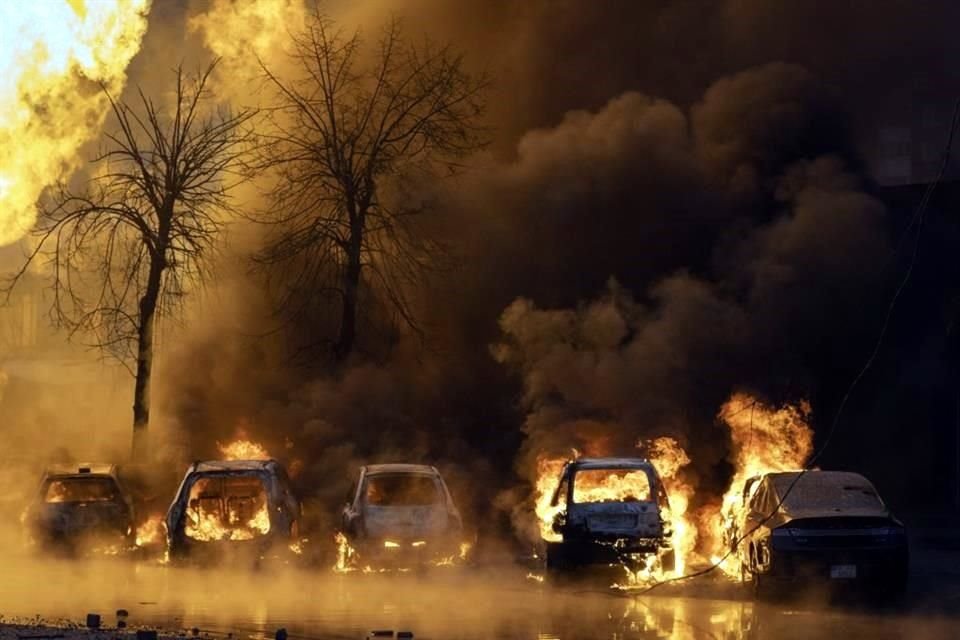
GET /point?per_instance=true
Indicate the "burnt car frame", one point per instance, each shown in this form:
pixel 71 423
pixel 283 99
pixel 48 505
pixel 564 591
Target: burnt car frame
pixel 402 516
pixel 634 532
pixel 232 510
pixel 828 527
pixel 81 508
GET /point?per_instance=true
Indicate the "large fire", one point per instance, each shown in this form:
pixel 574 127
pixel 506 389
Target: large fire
pixel 764 439
pixel 54 54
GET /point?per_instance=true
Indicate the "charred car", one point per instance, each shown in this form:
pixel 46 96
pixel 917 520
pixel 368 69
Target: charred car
pixel 402 515
pixel 614 511
pixel 232 510
pixel 797 527
pixel 79 509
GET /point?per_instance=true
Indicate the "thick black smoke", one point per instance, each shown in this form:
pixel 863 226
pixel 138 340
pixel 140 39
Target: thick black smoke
pixel 673 208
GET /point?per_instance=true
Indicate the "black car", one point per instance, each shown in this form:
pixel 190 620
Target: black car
pixel 81 509
pixel 828 526
pixel 233 510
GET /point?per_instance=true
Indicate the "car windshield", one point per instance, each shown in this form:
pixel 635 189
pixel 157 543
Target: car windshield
pixel 230 507
pixel 610 485
pixel 81 490
pixel 820 490
pixel 402 490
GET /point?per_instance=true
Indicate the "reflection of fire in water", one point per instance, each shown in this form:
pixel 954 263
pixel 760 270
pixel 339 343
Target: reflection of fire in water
pixel 765 440
pixel 227 508
pixel 151 532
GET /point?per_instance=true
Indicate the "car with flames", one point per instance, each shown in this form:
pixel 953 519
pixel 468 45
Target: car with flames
pixel 794 528
pixel 610 511
pixel 229 510
pixel 79 509
pixel 402 515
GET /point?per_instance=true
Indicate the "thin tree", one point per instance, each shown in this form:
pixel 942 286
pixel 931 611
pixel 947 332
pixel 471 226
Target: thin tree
pixel 124 247
pixel 350 124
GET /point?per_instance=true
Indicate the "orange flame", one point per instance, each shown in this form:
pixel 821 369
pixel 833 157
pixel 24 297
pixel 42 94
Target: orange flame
pixel 765 440
pixel 243 449
pixel 151 532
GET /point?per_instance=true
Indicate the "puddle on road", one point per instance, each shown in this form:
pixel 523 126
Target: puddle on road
pixel 317 604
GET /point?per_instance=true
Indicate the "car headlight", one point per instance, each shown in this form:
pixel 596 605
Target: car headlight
pixel 390 544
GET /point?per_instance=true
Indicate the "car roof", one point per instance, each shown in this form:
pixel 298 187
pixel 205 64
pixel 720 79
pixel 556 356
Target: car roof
pixel 82 469
pixel 421 469
pixel 611 463
pixel 213 466
pixel 818 476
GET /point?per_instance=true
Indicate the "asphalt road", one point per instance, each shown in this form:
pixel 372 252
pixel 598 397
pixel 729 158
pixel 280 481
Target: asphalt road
pixel 491 602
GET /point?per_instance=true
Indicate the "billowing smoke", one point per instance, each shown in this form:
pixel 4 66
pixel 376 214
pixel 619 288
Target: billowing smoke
pixel 673 208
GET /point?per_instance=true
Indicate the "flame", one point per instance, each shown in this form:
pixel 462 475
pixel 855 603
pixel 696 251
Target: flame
pixel 548 473
pixel 243 449
pixel 669 458
pixel 207 526
pixel 346 554
pixel 765 440
pixel 52 53
pixel 151 532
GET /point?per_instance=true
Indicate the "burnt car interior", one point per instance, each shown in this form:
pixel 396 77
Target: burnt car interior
pixel 228 502
pixel 402 490
pixel 607 485
pixel 81 490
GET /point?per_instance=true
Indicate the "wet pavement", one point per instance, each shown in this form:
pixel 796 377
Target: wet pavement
pixel 492 602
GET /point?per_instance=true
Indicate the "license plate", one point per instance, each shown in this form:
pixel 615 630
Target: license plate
pixel 843 571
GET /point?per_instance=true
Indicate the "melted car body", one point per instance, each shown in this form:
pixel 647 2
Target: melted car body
pixel 402 515
pixel 81 508
pixel 614 511
pixel 232 509
pixel 818 525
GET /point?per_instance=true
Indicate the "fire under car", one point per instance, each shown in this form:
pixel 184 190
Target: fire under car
pixel 402 516
pixel 81 509
pixel 826 527
pixel 615 512
pixel 237 510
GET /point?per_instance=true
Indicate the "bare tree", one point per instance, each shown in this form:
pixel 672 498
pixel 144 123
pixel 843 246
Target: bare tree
pixel 124 247
pixel 348 125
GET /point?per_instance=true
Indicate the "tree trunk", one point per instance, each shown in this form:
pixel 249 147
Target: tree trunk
pixel 351 289
pixel 141 389
pixel 348 316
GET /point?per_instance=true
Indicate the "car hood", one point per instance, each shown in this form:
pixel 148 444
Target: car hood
pixel 838 512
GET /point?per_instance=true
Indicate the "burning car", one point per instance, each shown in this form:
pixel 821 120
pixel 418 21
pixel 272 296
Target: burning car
pixel 401 515
pixel 232 509
pixel 830 525
pixel 610 511
pixel 81 508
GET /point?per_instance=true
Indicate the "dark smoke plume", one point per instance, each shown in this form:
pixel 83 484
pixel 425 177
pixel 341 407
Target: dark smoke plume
pixel 674 208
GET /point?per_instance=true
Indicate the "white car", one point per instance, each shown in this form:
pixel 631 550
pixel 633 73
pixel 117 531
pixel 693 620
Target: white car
pixel 401 515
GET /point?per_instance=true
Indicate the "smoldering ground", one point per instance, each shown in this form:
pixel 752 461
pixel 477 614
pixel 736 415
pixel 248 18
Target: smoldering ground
pixel 708 160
